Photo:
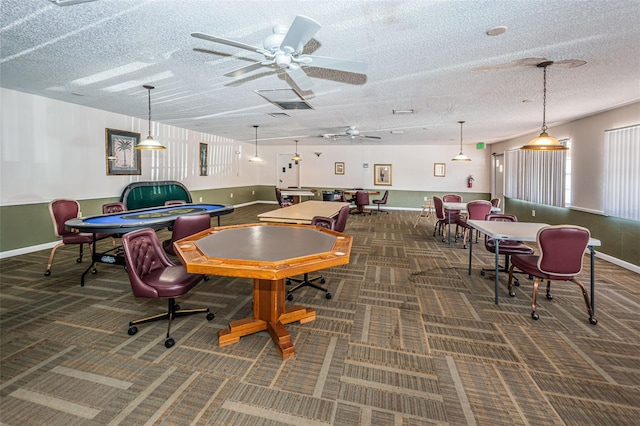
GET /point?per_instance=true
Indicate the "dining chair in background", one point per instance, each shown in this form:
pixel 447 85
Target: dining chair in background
pixel 382 201
pixel 185 226
pixel 476 210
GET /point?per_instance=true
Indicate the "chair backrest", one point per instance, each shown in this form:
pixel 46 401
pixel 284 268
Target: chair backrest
pixel 282 201
pixel 174 202
pixel 323 222
pixel 478 209
pixel 383 200
pixel 341 221
pixel 452 198
pixel 143 255
pixel 495 202
pixel 185 226
pixel 116 207
pixel 499 217
pixel 561 249
pixel 438 207
pixel 362 198
pixel 61 210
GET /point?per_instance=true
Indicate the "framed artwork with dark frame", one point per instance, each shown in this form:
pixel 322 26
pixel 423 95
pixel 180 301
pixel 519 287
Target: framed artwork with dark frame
pixel 122 157
pixel 338 168
pixel 204 156
pixel 439 169
pixel 382 174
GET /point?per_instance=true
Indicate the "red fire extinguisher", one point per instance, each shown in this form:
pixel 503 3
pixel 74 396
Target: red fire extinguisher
pixel 470 181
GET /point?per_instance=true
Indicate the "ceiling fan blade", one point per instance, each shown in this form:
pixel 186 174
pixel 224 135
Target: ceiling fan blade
pixel 301 31
pixel 372 137
pixel 525 62
pixel 233 43
pixel 334 63
pixel 248 68
pixel 569 63
pixel 300 78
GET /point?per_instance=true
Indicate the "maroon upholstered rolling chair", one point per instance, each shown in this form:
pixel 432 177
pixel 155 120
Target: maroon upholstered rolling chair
pixel 362 200
pixel 115 207
pixel 185 226
pixel 476 210
pixel 341 221
pixel 174 202
pixel 61 210
pixel 442 219
pixel 382 201
pixel 154 276
pixel 506 247
pixel 283 201
pixel 561 251
pixel 495 202
pixel 305 281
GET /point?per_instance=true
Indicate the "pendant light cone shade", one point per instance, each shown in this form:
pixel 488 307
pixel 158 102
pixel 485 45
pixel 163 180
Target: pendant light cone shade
pixel 544 142
pixel 296 157
pixel 256 159
pixel 461 156
pixel 149 142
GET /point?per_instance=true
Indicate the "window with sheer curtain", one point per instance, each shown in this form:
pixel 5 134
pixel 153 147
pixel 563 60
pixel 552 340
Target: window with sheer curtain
pixel 622 173
pixel 536 176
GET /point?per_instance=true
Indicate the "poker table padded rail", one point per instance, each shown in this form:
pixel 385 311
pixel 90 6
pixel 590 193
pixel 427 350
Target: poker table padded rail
pixel 141 195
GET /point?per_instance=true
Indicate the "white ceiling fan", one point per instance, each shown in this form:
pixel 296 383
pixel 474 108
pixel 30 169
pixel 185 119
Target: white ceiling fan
pixel 351 132
pixel 283 50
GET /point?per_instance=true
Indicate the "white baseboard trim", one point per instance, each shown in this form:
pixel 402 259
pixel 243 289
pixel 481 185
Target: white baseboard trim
pixel 618 262
pixel 26 250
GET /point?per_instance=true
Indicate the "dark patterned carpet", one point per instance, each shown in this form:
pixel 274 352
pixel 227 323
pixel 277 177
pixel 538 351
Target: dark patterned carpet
pixel 409 338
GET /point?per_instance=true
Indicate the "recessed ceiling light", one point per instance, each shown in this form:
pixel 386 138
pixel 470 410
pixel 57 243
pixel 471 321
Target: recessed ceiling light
pixel 500 29
pixel 403 111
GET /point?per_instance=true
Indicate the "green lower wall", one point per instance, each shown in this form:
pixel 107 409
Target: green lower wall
pixel 619 237
pixel 23 226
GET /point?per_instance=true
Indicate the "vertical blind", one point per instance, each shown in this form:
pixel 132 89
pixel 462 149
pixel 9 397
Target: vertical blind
pixel 622 173
pixel 536 176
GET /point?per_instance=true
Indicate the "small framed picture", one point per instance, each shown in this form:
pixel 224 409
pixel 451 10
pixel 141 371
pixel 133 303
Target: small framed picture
pixel 204 148
pixel 439 169
pixel 382 174
pixel 338 168
pixel 122 158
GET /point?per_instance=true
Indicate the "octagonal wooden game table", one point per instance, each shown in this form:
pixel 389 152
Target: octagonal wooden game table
pixel 268 253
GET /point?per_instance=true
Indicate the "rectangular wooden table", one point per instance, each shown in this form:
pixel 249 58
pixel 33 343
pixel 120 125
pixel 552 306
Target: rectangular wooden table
pixel 297 194
pixel 522 231
pixel 302 213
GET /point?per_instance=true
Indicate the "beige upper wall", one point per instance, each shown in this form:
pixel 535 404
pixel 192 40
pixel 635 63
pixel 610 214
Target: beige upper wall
pixel 587 151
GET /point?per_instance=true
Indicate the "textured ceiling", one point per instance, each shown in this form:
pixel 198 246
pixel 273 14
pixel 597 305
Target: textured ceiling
pixel 421 54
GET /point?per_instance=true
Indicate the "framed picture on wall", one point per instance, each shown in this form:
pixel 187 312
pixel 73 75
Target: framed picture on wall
pixel 204 156
pixel 122 158
pixel 382 174
pixel 338 168
pixel 439 169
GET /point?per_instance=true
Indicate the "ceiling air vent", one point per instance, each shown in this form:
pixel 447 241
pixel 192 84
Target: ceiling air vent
pixel 287 99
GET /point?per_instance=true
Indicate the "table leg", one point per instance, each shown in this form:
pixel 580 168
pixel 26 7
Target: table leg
pixel 497 240
pixel 593 283
pixel 271 314
pixel 470 250
pixel 449 226
pixel 92 266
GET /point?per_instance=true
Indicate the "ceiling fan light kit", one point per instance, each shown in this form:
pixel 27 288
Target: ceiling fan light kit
pixel 149 142
pixel 544 142
pixel 461 156
pixel 256 158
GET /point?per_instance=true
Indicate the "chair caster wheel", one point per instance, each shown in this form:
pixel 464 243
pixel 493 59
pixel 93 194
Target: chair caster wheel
pixel 593 321
pixel 210 316
pixel 482 272
pixel 288 282
pixel 549 296
pixel 94 271
pixel 322 281
pixel 512 293
pixel 47 273
pixel 176 307
pixel 289 297
pixel 328 295
pixel 516 282
pixel 132 330
pixel 79 260
pixel 534 316
pixel 206 277
pixel 169 343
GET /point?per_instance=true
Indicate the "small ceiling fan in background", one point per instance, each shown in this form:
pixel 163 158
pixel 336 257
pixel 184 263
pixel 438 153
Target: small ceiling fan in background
pixel 351 133
pixel 532 62
pixel 284 50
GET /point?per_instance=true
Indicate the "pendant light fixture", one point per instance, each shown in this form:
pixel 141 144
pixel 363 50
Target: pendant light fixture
pixel 461 156
pixel 544 142
pixel 296 157
pixel 256 159
pixel 149 143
